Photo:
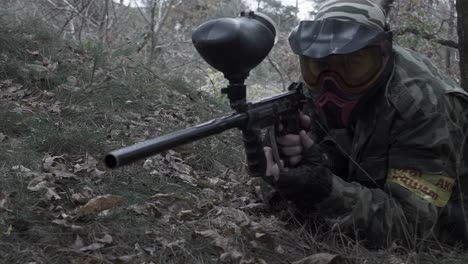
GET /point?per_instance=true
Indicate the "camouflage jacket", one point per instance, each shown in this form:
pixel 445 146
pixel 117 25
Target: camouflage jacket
pixel 401 181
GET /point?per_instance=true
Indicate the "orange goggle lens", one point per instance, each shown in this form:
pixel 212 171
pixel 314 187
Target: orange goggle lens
pixel 356 69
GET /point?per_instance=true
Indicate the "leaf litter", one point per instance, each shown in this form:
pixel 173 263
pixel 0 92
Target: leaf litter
pixel 221 209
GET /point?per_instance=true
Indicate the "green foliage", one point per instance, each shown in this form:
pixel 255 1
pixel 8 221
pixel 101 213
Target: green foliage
pixel 408 41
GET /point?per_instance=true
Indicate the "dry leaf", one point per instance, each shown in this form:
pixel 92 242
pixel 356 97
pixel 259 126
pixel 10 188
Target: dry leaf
pixel 20 168
pixel 37 184
pixel 150 250
pixel 3 137
pixel 255 207
pixel 32 52
pixel 148 209
pixel 185 214
pixel 97 173
pixel 52 66
pixel 92 247
pixel 147 164
pixel 49 162
pixel 187 179
pixel 3 201
pixel 233 214
pixel 182 168
pixel 62 174
pixel 80 198
pixel 88 166
pixel 138 208
pixel 104 213
pixel 55 108
pixel 124 259
pixel 279 249
pixel 232 254
pixel 107 239
pixel 218 240
pixel 176 243
pixel 48 94
pixel 37 68
pixel 168 195
pixel 54 165
pixel 51 194
pixel 101 203
pixel 215 182
pixel 72 80
pixel 324 258
pixel 9 230
pixel 60 222
pixel 84 196
pixel 78 243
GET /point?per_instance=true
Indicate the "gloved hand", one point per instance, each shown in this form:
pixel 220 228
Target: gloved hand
pixel 306 184
pixel 291 145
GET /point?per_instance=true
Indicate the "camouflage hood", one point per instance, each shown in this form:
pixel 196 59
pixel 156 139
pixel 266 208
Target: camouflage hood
pixel 340 27
pixel 359 11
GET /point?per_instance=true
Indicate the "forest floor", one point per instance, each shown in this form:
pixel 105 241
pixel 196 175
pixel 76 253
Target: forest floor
pixel 193 204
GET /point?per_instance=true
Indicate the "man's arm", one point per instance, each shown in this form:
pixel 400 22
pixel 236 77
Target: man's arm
pixel 419 184
pixel 421 175
pixel 379 216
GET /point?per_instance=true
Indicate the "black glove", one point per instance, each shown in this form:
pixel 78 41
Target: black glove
pixel 310 182
pixel 335 160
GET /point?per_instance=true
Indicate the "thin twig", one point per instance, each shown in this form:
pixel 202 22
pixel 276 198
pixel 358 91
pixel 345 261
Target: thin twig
pixel 276 67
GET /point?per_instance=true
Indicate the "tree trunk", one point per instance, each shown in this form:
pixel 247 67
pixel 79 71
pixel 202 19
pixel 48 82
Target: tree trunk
pixel 157 22
pixel 104 23
pixel 462 28
pixel 297 8
pixel 451 24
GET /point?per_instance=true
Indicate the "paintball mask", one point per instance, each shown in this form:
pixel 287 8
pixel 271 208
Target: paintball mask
pixel 343 56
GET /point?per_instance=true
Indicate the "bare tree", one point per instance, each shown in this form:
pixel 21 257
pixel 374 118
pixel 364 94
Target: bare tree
pixel 104 23
pixel 451 32
pixel 155 14
pixel 462 28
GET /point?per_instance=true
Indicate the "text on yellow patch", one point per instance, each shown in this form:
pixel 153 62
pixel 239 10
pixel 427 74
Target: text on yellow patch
pixel 434 188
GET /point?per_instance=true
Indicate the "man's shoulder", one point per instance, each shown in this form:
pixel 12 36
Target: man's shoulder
pixel 417 86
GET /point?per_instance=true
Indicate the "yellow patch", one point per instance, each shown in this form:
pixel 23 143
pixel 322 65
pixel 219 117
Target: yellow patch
pixel 435 189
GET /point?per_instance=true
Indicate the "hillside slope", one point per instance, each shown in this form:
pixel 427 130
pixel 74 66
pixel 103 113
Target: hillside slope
pixel 59 115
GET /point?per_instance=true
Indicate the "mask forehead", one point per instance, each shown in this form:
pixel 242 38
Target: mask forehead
pixel 318 39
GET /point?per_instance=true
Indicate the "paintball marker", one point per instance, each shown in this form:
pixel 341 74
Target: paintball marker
pixel 233 46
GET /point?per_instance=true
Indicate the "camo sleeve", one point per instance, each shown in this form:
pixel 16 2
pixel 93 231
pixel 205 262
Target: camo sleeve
pixel 419 184
pixel 378 216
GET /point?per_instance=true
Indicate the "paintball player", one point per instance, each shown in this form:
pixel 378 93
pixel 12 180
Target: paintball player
pixel 383 134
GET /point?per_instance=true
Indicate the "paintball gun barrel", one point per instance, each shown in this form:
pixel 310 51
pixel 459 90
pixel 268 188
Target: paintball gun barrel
pixel 233 46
